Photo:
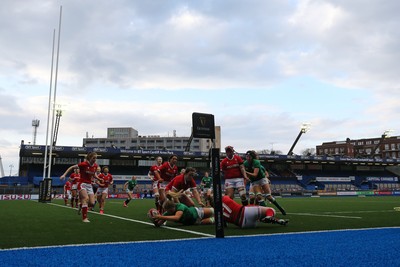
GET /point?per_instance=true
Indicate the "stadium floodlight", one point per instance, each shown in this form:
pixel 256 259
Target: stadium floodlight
pixel 305 127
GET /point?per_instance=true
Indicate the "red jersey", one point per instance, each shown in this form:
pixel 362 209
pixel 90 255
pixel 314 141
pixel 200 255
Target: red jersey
pixel 153 169
pixel 107 179
pixel 179 183
pixel 67 186
pixel 168 172
pixel 232 211
pixel 231 167
pixel 87 171
pixel 74 178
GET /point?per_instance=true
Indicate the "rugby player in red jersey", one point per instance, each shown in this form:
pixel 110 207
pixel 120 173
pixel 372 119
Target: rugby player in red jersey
pixel 102 190
pixel 183 182
pixel 154 180
pixel 165 173
pixel 74 179
pixel 234 174
pixel 248 216
pixel 87 170
pixel 67 192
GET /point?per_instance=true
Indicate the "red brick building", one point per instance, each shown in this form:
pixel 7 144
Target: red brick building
pixel 380 147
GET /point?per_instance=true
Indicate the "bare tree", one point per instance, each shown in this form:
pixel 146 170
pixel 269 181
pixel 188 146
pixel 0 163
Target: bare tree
pixel 308 152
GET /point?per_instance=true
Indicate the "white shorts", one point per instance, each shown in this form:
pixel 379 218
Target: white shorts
pixel 234 183
pixel 163 185
pixel 102 190
pixel 129 191
pixel 86 186
pixel 155 185
pixel 251 214
pixel 200 213
pixel 260 182
pixel 74 186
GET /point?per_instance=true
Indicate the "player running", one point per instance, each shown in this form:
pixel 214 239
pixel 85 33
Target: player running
pixel 87 170
pixel 128 187
pixel 154 180
pixel 67 192
pixel 102 190
pixel 74 180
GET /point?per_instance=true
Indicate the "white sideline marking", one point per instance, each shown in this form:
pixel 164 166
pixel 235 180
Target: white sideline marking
pixel 191 239
pixel 136 221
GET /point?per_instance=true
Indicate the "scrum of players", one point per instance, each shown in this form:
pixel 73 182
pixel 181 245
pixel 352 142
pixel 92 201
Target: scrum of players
pixel 175 193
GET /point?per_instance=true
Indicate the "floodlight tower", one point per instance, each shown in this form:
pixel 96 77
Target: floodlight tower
pixel 57 126
pixel 304 128
pixel 35 125
pixel 1 168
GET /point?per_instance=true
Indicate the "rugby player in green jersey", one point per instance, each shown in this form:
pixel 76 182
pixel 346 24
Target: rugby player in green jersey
pixel 180 213
pixel 259 181
pixel 128 187
pixel 206 188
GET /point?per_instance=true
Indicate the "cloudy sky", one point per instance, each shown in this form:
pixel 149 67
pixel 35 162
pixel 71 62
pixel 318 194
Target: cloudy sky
pixel 261 67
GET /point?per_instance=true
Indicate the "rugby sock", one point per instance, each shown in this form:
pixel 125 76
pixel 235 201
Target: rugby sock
pixel 262 203
pixel 84 212
pixel 279 207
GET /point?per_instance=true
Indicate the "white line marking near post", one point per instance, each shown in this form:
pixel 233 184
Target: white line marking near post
pixel 322 215
pixel 137 221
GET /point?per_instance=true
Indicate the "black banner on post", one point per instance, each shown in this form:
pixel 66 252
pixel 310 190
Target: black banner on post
pixel 216 174
pixel 203 125
pixel 45 190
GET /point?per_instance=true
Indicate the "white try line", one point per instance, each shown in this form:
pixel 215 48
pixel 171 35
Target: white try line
pixel 137 221
pixel 323 215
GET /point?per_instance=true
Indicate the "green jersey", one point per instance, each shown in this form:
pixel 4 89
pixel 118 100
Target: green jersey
pixel 207 182
pixel 189 215
pixel 132 184
pixel 254 165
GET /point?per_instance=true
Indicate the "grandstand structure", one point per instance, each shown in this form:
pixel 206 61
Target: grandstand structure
pixel 129 138
pixel 290 175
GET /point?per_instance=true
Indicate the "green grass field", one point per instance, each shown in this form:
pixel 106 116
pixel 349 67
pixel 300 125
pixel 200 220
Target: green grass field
pixel 26 223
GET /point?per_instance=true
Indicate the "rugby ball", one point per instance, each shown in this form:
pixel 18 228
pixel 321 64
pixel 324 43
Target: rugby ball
pixel 152 213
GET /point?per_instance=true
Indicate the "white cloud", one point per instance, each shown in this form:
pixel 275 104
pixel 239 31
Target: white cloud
pixel 262 67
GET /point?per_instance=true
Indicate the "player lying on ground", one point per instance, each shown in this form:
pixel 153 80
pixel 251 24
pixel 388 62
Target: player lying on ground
pixel 180 213
pixel 248 216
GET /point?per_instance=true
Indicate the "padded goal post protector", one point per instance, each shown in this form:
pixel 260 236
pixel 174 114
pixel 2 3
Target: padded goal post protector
pixel 45 190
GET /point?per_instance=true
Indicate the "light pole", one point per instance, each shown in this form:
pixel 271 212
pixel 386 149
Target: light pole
pixel 11 166
pixel 304 128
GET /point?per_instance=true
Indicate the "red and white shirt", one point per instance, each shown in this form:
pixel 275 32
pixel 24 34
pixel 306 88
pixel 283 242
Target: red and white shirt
pixel 231 167
pixel 74 178
pixel 87 171
pixel 179 183
pixel 107 180
pixel 168 172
